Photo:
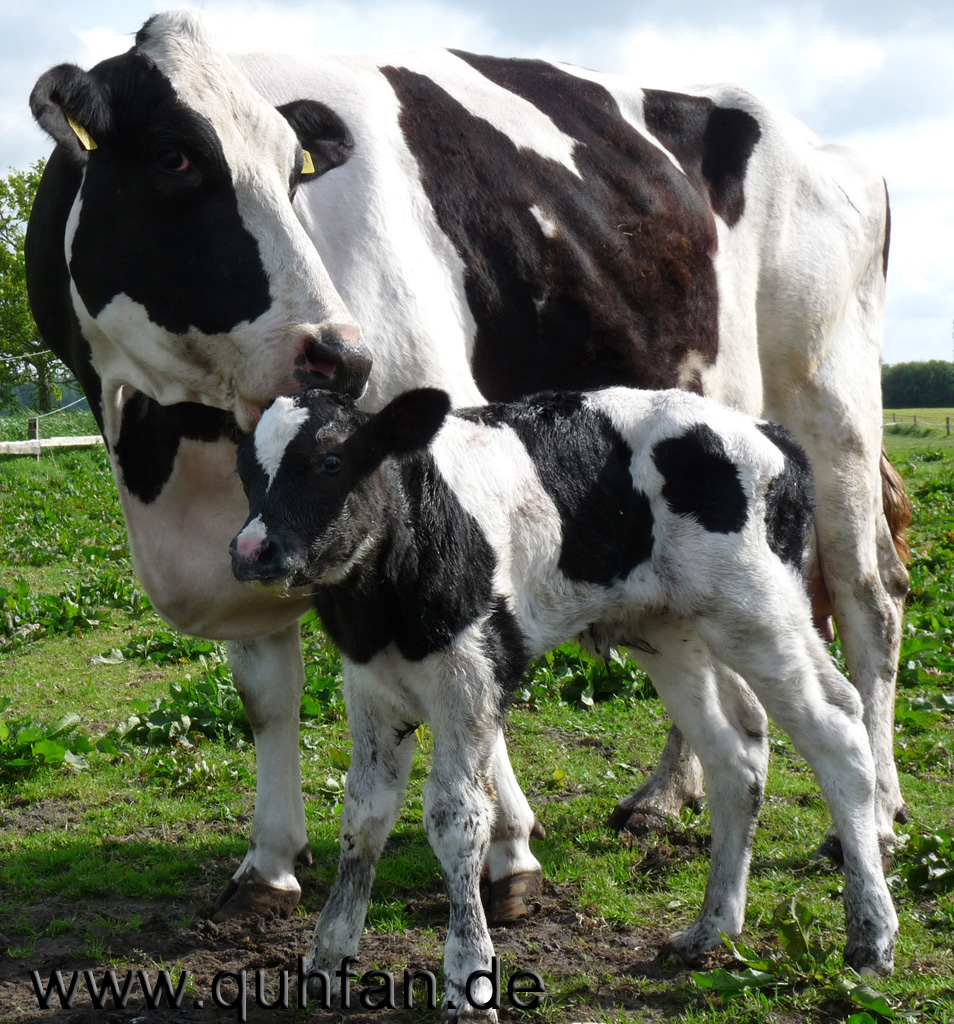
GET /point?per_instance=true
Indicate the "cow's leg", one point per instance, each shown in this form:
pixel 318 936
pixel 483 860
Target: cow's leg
pixel 863 574
pixel 514 876
pixel 458 815
pixel 269 676
pixel 820 345
pixel 383 747
pixel 676 782
pixel 725 723
pixel 785 663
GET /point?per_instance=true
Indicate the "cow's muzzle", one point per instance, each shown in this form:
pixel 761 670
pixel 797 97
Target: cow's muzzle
pixel 334 358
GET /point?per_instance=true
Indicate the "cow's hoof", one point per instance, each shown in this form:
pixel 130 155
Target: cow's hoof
pixel 252 896
pixel 639 821
pixel 830 849
pixel 538 831
pixel 508 899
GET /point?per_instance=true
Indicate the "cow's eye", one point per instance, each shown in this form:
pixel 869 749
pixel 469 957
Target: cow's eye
pixel 173 160
pixel 331 464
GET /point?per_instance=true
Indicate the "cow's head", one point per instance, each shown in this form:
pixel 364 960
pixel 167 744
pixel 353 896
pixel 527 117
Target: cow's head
pixel 319 499
pixel 192 278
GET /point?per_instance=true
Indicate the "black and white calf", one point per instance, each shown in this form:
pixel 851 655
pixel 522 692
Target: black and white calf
pixel 446 549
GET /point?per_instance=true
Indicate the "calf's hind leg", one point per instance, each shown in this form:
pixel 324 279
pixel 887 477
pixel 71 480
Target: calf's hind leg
pixel 786 664
pixel 726 725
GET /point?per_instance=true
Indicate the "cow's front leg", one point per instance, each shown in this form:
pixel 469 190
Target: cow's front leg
pixel 382 736
pixel 458 815
pixel 676 783
pixel 513 874
pixel 269 676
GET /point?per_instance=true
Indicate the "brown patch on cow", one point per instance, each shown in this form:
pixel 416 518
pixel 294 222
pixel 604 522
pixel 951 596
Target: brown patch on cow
pixel 618 287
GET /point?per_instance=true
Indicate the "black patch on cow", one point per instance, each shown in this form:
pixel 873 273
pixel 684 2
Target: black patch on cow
pixel 789 500
pixel 433 575
pixel 48 279
pixel 321 131
pixel 505 645
pixel 701 480
pixel 607 524
pixel 173 241
pixel 625 287
pixel 713 144
pixel 149 440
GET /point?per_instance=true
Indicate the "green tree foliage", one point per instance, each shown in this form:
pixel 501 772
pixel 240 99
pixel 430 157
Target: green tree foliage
pixel 23 359
pixel 928 385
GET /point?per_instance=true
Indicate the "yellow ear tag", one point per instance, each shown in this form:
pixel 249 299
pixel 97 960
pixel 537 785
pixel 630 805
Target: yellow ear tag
pixel 308 167
pixel 83 135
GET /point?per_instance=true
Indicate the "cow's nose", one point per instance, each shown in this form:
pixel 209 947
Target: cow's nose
pixel 332 357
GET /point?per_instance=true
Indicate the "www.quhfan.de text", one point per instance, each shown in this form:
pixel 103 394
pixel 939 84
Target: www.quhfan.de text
pixel 237 990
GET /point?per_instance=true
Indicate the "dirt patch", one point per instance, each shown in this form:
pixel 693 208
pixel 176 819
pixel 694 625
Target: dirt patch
pixel 599 966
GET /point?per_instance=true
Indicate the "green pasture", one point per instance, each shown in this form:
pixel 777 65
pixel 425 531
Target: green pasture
pixel 127 771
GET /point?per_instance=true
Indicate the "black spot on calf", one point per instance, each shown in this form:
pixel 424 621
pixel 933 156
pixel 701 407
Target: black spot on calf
pixel 701 480
pixel 789 500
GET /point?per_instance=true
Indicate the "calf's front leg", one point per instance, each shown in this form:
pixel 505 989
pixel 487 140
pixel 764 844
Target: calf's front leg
pixel 383 742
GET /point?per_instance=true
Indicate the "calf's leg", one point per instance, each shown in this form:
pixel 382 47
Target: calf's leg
pixel 786 664
pixel 458 815
pixel 383 746
pixel 725 724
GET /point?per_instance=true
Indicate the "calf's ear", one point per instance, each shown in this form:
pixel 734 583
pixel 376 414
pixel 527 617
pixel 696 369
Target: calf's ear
pixel 72 108
pixel 410 421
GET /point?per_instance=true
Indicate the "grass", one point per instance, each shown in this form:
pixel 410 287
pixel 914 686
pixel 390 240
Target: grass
pixel 127 785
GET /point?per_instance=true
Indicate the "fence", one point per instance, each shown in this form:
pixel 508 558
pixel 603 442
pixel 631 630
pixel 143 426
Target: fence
pixel 897 419
pixel 35 444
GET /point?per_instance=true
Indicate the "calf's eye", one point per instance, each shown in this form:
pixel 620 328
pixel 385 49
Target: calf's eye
pixel 331 464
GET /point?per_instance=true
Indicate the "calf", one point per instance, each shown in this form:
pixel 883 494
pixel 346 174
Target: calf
pixel 444 550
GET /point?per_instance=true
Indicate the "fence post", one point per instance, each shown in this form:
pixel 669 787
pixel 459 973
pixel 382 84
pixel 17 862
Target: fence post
pixel 915 421
pixel 948 426
pixel 33 429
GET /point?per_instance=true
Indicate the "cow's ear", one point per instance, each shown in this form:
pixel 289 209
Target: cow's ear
pixel 322 134
pixel 71 107
pixel 410 421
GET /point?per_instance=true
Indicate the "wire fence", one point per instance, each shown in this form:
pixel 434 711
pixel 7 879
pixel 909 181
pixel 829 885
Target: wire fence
pixel 917 419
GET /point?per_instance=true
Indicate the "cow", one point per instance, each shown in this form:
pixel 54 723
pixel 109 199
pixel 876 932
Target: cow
pixel 210 231
pixel 443 552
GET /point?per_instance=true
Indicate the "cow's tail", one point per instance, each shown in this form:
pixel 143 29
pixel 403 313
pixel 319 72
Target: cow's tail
pixel 897 506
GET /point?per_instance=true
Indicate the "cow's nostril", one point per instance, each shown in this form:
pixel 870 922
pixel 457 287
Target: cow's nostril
pixel 314 359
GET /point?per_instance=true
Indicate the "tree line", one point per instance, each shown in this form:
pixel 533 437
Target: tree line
pixel 30 375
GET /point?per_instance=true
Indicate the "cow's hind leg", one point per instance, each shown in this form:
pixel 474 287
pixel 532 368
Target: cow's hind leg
pixel 269 676
pixel 513 874
pixel 727 727
pixel 676 782
pixel 383 745
pixel 785 663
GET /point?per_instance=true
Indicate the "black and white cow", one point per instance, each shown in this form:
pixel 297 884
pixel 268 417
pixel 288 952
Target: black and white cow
pixel 493 228
pixel 445 551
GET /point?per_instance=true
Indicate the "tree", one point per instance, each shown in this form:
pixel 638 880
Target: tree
pixel 926 385
pixel 23 355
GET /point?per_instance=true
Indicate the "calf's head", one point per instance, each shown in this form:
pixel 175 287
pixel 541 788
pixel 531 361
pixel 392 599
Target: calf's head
pixel 192 278
pixel 319 491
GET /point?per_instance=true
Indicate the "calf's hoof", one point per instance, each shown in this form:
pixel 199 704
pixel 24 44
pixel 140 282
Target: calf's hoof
pixel 689 945
pixel 871 959
pixel 639 821
pixel 508 899
pixel 252 896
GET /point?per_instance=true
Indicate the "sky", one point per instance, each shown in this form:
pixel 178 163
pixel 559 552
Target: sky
pixel 875 74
